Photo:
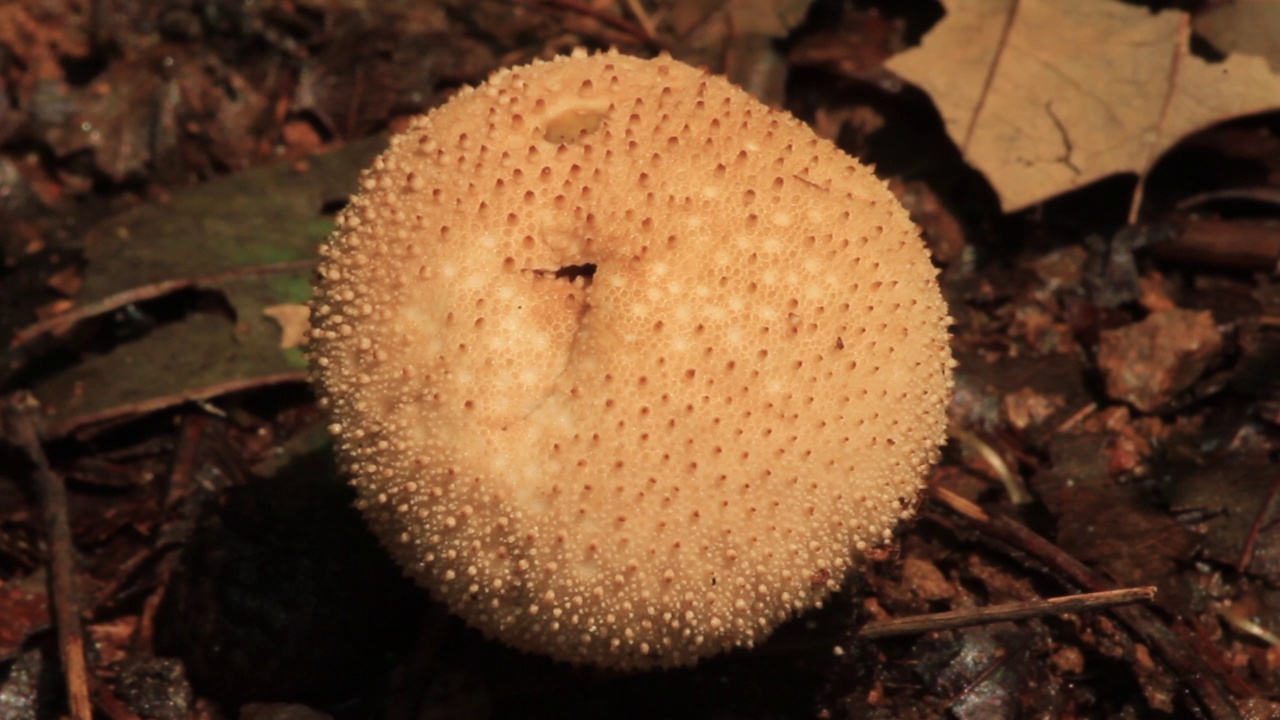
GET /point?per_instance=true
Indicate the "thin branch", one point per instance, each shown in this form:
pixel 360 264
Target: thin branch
pixel 175 532
pixel 642 17
pixel 21 412
pixel 1264 511
pixel 920 624
pixel 1188 665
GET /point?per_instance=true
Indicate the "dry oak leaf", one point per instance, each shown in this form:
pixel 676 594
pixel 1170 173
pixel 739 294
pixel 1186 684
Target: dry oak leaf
pixel 1044 96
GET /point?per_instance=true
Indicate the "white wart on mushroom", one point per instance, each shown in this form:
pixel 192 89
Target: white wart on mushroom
pixel 626 367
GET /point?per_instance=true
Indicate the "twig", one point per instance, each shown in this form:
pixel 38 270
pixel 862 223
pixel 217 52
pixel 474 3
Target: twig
pixel 20 419
pixel 919 624
pixel 1246 554
pixel 1187 665
pixel 175 533
pixel 1251 246
pixel 1076 417
pixel 646 23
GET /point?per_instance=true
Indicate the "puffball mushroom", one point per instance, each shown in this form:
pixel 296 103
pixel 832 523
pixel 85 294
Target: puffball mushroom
pixel 626 367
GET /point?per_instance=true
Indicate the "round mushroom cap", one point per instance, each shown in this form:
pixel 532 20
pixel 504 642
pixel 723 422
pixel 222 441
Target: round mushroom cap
pixel 626 367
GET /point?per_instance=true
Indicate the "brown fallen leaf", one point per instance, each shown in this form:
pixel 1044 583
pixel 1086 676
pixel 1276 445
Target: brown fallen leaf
pixel 292 319
pixel 1231 497
pixel 737 37
pixel 251 238
pixel 774 18
pixel 1251 28
pixel 37 40
pixel 1147 363
pixel 25 607
pixel 1044 96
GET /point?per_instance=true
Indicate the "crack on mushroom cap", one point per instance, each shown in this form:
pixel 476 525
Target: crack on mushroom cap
pixel 626 367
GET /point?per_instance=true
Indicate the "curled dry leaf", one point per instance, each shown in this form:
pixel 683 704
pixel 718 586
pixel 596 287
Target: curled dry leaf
pixel 1044 96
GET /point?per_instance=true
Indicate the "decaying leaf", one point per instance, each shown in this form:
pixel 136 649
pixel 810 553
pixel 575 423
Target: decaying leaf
pixel 292 319
pixel 737 36
pixel 765 17
pixel 1249 28
pixel 36 41
pixel 1044 96
pixel 251 238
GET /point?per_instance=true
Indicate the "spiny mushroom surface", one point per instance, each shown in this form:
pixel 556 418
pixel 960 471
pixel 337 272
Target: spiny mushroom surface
pixel 626 367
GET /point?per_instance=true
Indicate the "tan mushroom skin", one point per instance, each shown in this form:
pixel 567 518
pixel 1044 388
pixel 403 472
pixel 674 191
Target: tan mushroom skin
pixel 626 367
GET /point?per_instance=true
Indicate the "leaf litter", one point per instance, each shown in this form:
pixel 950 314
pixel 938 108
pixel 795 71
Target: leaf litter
pixel 197 241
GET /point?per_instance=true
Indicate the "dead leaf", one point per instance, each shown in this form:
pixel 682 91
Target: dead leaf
pixel 264 216
pixel 857 46
pixel 292 319
pixel 25 606
pixel 1230 497
pixel 1147 363
pixel 203 356
pixel 1248 28
pixel 36 41
pixel 1115 527
pixel 765 17
pixel 1044 96
pixel 250 236
pixel 737 36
